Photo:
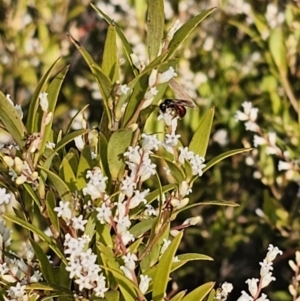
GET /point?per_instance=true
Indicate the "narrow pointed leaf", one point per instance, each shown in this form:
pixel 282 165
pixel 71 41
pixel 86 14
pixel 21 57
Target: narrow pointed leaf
pixel 36 231
pixel 155 26
pixel 104 83
pixel 11 120
pixel 110 61
pixel 126 46
pixel 184 31
pixel 32 119
pixel 179 296
pixel 225 155
pixel 117 145
pixel 277 49
pixel 200 292
pixel 53 92
pixel 200 138
pixel 61 187
pixel 161 278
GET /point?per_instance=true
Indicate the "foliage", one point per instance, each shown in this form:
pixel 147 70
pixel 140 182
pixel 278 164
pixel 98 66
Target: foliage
pixel 241 52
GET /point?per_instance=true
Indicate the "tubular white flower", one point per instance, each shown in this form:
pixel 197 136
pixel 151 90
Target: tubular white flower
pixel 104 213
pixel 63 210
pixel 258 140
pixel 150 142
pixel 44 103
pixel 166 76
pixel 245 297
pixel 152 78
pixel 273 252
pixel 266 280
pixel 138 198
pixel 79 142
pixel 252 286
pixel 282 165
pixel 4 197
pixel 144 283
pixel 129 260
pixel 122 90
pixel 263 297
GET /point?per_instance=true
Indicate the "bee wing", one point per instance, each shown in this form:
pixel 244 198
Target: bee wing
pixel 185 99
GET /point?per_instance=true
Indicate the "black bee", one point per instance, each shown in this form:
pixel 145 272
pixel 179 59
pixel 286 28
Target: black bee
pixel 176 107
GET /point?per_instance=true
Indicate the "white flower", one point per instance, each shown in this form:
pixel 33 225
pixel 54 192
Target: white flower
pixel 63 210
pixel 192 221
pixel 50 145
pixel 104 213
pixel 138 198
pixel 122 90
pixel 129 260
pixel 197 165
pixel 146 169
pixel 78 222
pixel 127 272
pixel 252 286
pixel 96 185
pixel 127 186
pixel 263 297
pixel 226 289
pixel 17 292
pixel 184 189
pixel 185 154
pixel 150 142
pixel 166 76
pixel 265 267
pixel 4 197
pixel 167 170
pixel 149 210
pixel 258 140
pixel 150 93
pixel 133 154
pixel 245 297
pixel 172 30
pixel 282 165
pixel 251 126
pixel 172 139
pixel 166 243
pixel 44 103
pixel 144 283
pixel 152 78
pixel 267 279
pixel 273 252
pixel 79 142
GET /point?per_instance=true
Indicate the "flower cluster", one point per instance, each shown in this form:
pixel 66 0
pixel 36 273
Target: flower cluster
pixel 293 287
pixel 256 285
pixel 249 116
pixel 83 267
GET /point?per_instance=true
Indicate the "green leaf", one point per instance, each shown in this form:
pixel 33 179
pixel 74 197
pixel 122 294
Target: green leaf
pixel 222 156
pixel 277 49
pixel 176 171
pixel 184 31
pixel 38 232
pixel 61 187
pixel 50 205
pixel 200 138
pixel 11 120
pixel 155 27
pixel 128 288
pixel 33 119
pixel 141 227
pixel 112 296
pixel 53 92
pixel 209 203
pixel 126 46
pixel 117 145
pixel 102 149
pixel 66 172
pixel 46 267
pixel 193 256
pixel 104 82
pixel 32 193
pixel 161 278
pixel 179 296
pixel 85 164
pixel 110 61
pixel 200 292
